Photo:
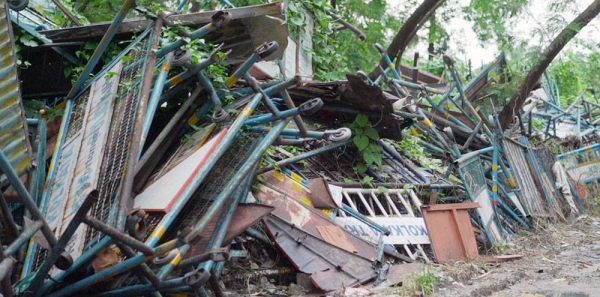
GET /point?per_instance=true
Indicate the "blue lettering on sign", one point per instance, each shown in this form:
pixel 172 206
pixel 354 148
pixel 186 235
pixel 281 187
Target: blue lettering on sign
pixel 352 229
pixel 395 230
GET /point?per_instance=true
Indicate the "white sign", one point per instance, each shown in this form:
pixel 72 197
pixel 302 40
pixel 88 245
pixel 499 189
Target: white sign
pixel 96 127
pixel 585 173
pixel 406 230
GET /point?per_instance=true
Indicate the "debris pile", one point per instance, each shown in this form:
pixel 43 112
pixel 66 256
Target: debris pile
pixel 162 180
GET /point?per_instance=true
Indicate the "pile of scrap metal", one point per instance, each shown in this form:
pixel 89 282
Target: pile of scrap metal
pixel 157 184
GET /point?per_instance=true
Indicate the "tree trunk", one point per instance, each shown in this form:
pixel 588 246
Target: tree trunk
pixel 509 111
pixel 409 30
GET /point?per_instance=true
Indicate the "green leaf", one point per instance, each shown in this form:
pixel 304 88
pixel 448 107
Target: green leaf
pixel 382 189
pixel 296 20
pixel 367 179
pixel 372 133
pixel 361 168
pixel 361 120
pixel 361 141
pixel 408 187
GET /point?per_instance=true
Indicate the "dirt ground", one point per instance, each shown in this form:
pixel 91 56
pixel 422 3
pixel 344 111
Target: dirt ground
pixel 559 260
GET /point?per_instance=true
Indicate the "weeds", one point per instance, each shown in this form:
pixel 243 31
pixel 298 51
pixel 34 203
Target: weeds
pixel 424 282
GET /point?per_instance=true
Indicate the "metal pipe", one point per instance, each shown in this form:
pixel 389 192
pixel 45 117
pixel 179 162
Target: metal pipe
pixel 359 216
pixel 26 199
pixel 139 290
pixel 224 144
pixel 117 235
pixel 14 246
pixel 53 256
pixel 85 258
pixel 154 98
pixel 465 157
pixel 219 19
pixel 297 119
pixel 258 236
pixel 222 197
pixel 8 222
pixel 125 190
pixel 159 141
pixel 303 156
pixel 106 39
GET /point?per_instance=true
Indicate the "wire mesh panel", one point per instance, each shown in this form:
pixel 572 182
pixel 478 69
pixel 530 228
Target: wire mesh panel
pixel 98 137
pixel 227 166
pixel 473 177
pixel 516 156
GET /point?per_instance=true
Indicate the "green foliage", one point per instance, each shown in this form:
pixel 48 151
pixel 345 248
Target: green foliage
pixel 575 71
pixel 365 138
pixel 424 282
pixel 491 18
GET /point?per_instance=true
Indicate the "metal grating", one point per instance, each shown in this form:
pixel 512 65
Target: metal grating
pixel 473 174
pixel 219 176
pixel 77 114
pixel 119 140
pixel 14 142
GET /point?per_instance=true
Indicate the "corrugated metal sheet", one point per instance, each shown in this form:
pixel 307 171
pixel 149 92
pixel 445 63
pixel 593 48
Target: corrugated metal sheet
pixel 13 131
pixel 518 163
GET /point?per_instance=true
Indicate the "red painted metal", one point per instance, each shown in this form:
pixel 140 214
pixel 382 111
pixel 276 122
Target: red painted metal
pixel 450 231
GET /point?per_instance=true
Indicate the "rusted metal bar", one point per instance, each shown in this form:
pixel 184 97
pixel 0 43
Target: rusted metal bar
pixel 117 235
pixel 151 156
pixel 8 221
pixel 26 199
pixel 58 248
pixel 126 201
pixel 303 156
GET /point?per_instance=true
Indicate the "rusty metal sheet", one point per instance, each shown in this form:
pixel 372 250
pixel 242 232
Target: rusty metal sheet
pixel 14 140
pixel 245 216
pixel 331 267
pixel 288 206
pixel 320 194
pixel 450 230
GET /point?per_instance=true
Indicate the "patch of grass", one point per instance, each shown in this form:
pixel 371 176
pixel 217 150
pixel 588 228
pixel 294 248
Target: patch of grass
pixel 423 282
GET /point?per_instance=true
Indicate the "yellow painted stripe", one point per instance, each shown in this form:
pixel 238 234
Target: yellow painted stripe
pixel 177 259
pixel 588 149
pixel 494 167
pixel 297 186
pixel 166 66
pixel 447 115
pixel 305 200
pixel 512 182
pixel 392 66
pixel 414 131
pixel 175 80
pixel 193 120
pixel 209 26
pixel 278 175
pixel 231 80
pixel 427 123
pixel 246 112
pixel 494 188
pixel 159 232
pixel 296 177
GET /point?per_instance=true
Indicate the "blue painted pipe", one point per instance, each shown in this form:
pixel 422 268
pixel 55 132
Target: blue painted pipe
pixel 233 183
pixel 154 99
pixel 26 198
pixel 106 39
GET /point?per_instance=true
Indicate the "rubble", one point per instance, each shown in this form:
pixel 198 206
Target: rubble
pixel 162 180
